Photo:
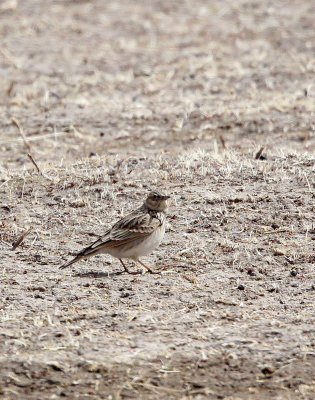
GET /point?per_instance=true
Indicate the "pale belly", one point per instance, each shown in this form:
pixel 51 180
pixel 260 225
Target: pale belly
pixel 139 248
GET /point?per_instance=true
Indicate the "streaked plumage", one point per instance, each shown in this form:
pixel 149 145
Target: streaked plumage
pixel 133 236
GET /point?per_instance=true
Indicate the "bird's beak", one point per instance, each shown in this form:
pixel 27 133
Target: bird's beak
pixel 166 197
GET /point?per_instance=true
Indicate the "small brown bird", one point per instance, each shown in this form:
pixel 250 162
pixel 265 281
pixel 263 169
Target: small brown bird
pixel 133 236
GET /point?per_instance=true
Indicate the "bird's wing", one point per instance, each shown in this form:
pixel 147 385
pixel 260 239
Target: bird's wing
pixel 134 226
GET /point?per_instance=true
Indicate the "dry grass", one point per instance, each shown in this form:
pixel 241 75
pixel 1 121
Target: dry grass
pixel 211 103
pixel 235 221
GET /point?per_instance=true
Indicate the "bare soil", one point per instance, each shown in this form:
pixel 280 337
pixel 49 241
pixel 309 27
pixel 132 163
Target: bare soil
pixel 112 99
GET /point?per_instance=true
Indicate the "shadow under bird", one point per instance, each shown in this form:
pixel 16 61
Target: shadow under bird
pixel 134 236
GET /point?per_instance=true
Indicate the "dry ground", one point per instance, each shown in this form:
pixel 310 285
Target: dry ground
pixel 116 98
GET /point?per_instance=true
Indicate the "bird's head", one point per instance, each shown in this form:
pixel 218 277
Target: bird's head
pixel 156 201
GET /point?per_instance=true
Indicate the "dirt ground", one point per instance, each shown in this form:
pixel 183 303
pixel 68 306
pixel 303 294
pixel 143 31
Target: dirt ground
pixel 113 99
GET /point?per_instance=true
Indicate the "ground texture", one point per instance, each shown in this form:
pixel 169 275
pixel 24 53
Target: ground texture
pixel 112 99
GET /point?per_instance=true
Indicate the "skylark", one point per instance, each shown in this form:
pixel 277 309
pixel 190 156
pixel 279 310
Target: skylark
pixel 133 236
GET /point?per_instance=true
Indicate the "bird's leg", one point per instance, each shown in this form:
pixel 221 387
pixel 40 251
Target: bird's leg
pixel 145 266
pixel 126 269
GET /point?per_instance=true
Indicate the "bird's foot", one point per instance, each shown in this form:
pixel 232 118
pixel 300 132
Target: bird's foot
pixel 149 269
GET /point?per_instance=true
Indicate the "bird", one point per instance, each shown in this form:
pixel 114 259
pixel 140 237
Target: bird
pixel 134 236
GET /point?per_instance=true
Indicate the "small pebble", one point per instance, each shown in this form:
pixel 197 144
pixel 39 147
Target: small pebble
pixel 251 271
pixel 268 370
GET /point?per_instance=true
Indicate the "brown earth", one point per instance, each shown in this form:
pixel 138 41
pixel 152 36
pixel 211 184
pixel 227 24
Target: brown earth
pixel 116 98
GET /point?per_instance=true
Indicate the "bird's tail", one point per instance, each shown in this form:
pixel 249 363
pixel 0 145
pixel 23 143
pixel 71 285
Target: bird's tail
pixel 83 255
pixel 74 260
